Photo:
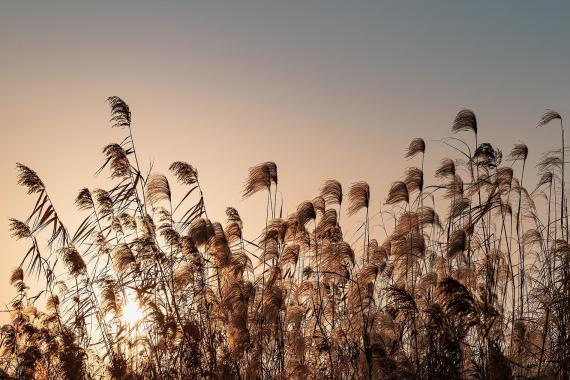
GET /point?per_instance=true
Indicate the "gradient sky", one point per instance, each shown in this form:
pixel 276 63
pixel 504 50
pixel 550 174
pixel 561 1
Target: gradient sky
pixel 326 89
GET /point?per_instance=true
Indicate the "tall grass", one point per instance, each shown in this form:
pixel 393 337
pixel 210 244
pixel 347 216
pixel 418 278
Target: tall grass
pixel 472 281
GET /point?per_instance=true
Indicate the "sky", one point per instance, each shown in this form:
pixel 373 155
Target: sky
pixel 326 89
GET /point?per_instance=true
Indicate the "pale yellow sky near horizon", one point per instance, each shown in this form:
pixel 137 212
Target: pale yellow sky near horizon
pixel 324 89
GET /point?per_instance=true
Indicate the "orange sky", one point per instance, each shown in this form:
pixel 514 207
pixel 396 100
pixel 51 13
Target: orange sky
pixel 323 89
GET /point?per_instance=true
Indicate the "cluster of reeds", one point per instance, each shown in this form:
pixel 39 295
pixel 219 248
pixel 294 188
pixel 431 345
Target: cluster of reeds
pixel 471 281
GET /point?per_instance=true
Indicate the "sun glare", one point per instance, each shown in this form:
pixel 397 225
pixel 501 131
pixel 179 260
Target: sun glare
pixel 131 313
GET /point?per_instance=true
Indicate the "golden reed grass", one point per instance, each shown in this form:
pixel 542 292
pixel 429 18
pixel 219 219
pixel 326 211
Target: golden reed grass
pixel 472 280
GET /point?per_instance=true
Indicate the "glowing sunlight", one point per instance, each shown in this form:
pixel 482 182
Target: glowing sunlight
pixel 132 314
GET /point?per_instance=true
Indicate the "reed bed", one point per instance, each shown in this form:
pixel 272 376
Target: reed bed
pixel 472 281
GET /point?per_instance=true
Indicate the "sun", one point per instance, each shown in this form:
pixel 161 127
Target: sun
pixel 132 314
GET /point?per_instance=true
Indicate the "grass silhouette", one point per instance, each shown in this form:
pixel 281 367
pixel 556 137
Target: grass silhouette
pixel 473 280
